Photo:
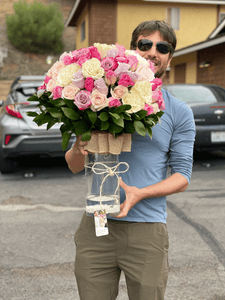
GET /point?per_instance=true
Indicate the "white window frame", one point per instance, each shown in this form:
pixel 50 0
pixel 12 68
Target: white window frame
pixel 173 17
pixel 221 17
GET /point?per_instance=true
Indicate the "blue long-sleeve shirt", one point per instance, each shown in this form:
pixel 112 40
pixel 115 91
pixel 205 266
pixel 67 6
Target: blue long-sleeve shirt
pixel 171 146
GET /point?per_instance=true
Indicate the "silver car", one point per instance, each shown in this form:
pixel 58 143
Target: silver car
pixel 19 135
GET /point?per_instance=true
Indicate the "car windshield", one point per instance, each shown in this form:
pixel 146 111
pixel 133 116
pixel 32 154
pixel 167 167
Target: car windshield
pixel 192 95
pixel 22 94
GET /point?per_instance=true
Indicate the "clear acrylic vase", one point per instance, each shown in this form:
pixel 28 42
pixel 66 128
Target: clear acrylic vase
pixel 102 183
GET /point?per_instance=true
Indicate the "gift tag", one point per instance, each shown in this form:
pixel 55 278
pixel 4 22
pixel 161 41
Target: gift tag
pixel 101 226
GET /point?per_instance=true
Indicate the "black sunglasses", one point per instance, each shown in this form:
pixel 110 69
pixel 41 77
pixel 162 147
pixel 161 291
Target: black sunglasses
pixel 162 47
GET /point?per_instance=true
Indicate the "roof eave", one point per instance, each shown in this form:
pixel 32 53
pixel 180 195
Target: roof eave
pixel 190 1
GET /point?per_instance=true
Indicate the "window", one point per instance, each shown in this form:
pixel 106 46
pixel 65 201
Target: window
pixel 221 17
pixel 82 31
pixel 173 17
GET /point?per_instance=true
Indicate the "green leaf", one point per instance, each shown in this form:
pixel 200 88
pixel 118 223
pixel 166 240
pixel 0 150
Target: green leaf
pixel 92 115
pixel 149 130
pixel 141 114
pixel 70 104
pixel 140 128
pixel 57 102
pixel 127 116
pixel 116 116
pixel 66 127
pixel 113 128
pixel 129 127
pixel 104 125
pixel 118 122
pixel 70 113
pixel 33 98
pixel 55 112
pixel 80 127
pixel 86 135
pixel 31 114
pixel 65 139
pixel 121 108
pixel 103 116
pixel 51 123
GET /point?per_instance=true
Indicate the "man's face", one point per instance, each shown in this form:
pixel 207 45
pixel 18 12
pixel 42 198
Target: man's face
pixel 161 61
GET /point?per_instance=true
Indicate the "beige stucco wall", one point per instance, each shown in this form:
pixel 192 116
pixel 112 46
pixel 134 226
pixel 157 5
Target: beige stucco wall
pixel 191 67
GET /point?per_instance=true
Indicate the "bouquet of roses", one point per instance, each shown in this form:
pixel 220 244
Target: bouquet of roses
pixel 100 88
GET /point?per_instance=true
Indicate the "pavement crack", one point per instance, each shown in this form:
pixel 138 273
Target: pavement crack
pixel 205 234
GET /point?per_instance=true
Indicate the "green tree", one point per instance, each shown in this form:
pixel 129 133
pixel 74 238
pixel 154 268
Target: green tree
pixel 35 27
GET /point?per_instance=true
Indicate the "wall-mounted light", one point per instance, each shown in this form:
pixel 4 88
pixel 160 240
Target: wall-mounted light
pixel 205 64
pixel 49 59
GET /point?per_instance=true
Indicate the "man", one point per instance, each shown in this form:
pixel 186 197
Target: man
pixel 137 242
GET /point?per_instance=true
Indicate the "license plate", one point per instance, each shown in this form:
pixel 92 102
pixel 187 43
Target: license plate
pixel 218 136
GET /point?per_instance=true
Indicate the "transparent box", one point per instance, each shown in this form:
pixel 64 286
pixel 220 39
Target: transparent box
pixel 102 183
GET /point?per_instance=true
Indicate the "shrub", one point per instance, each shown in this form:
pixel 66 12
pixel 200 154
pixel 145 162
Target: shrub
pixel 35 27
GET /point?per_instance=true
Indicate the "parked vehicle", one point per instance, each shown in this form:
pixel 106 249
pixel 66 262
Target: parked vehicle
pixel 19 135
pixel 208 105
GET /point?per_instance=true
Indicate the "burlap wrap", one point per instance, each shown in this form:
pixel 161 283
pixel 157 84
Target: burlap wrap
pixel 105 143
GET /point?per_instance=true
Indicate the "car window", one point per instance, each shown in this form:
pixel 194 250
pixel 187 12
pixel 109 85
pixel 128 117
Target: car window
pixel 22 94
pixel 220 91
pixel 191 94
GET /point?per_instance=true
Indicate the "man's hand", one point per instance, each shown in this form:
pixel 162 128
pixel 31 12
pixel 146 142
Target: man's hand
pixel 132 197
pixel 79 146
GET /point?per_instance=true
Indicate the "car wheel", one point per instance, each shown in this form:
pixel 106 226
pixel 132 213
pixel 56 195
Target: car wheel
pixel 7 165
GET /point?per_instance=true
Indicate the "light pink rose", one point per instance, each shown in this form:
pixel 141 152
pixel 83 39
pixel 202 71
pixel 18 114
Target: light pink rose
pixel 110 77
pixel 119 92
pixel 156 82
pixel 101 86
pixel 67 60
pixel 149 109
pixel 83 52
pixel 134 76
pixel 83 100
pixel 51 85
pixel 78 79
pixel 54 71
pixel 114 102
pixel 121 50
pixel 70 91
pixel 112 52
pixel 89 84
pixel 109 63
pixel 122 69
pixel 133 62
pixel 98 101
pixel 145 72
pixel 152 67
pixel 161 104
pixel 57 92
pixel 43 87
pixel 121 59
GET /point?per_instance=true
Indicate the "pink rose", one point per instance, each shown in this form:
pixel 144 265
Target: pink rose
pixel 67 60
pixel 70 91
pixel 122 69
pixel 133 62
pixel 57 92
pixel 78 79
pixel 89 84
pixel 149 109
pixel 145 72
pixel 110 77
pixel 83 100
pixel 51 85
pixel 43 87
pixel 121 59
pixel 94 53
pixel 83 52
pixel 161 104
pixel 54 71
pixel 109 63
pixel 101 86
pixel 47 79
pixel 121 50
pixel 157 95
pixel 98 101
pixel 114 102
pixel 81 60
pixel 156 82
pixel 119 92
pixel 125 80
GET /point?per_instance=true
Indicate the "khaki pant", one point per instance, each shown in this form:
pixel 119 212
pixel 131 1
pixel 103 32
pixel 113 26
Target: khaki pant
pixel 140 250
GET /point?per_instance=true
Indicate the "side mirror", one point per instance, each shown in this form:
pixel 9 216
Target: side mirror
pixel 1 102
